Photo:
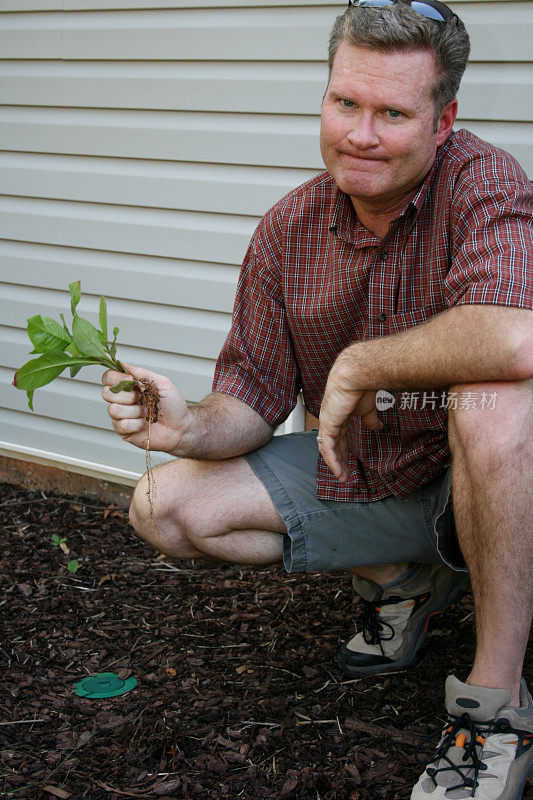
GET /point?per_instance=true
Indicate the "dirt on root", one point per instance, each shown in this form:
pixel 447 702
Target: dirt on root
pixel 238 692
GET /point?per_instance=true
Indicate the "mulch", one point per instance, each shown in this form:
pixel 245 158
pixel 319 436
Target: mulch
pixel 238 692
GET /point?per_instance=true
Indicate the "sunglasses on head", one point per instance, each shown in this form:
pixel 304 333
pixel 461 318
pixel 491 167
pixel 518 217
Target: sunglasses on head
pixel 433 9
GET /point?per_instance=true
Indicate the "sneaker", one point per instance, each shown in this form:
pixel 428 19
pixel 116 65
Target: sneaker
pixel 486 748
pixel 395 619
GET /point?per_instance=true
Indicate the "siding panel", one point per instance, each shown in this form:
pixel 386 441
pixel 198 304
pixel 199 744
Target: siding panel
pixel 254 139
pixel 214 188
pixel 178 282
pixel 69 442
pixel 499 32
pixel 207 237
pixel 121 5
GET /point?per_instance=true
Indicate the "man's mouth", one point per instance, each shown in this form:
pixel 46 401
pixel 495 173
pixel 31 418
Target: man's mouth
pixel 360 157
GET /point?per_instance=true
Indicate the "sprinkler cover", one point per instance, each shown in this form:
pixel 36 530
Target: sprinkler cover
pixel 105 684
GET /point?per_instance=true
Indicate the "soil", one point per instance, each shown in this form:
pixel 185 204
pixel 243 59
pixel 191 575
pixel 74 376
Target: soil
pixel 150 398
pixel 238 692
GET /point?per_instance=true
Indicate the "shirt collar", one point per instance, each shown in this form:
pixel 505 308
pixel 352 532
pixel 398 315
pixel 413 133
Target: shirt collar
pixel 418 200
pixel 344 222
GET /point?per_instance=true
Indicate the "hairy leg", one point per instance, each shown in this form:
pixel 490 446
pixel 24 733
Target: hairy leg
pixel 492 494
pixel 215 510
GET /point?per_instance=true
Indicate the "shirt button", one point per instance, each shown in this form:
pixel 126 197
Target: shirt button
pixel 371 491
pixel 392 479
pixel 384 255
pixel 385 428
pixel 381 317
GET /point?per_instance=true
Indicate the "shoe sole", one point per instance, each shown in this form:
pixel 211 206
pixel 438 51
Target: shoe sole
pixel 414 652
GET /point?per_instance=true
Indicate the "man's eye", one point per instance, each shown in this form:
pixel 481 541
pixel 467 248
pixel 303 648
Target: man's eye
pixel 393 114
pixel 348 103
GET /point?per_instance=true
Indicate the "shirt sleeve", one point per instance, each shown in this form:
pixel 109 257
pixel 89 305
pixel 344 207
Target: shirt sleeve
pixel 492 235
pixel 256 363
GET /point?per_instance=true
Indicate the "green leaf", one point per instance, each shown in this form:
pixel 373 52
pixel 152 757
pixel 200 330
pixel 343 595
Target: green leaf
pixel 30 399
pixel 47 334
pixel 87 339
pixel 73 565
pixel 40 371
pixel 103 317
pixel 125 386
pixel 72 350
pixel 75 295
pixel 113 345
pixel 65 328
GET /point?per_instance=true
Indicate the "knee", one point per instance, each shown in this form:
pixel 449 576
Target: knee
pixel 140 514
pixel 137 511
pixel 491 422
pixel 169 508
pixel 156 506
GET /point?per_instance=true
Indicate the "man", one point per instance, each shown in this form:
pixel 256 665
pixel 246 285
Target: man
pixel 405 267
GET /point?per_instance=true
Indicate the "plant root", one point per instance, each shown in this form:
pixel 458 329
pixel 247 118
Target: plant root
pixel 150 399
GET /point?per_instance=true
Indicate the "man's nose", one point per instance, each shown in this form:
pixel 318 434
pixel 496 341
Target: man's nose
pixel 363 132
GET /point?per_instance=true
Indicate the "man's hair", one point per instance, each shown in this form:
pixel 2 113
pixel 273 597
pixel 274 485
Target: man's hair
pixel 398 27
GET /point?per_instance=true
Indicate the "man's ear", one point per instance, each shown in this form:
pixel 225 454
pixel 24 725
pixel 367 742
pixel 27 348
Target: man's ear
pixel 446 120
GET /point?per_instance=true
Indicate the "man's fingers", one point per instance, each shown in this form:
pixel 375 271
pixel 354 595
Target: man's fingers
pixel 117 411
pixel 111 377
pixel 125 427
pixel 334 451
pixel 124 398
pixel 127 419
pixel 372 421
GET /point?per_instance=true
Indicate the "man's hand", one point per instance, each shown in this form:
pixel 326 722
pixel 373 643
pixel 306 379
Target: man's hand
pixel 341 400
pixel 129 416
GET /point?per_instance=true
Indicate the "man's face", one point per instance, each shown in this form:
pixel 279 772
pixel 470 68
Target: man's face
pixel 377 136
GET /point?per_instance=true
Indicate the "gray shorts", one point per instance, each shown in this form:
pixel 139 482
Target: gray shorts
pixel 330 535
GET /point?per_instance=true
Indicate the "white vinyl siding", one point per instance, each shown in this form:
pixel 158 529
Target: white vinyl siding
pixel 140 143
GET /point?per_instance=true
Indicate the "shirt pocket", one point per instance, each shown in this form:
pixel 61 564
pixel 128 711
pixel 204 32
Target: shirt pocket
pixel 396 323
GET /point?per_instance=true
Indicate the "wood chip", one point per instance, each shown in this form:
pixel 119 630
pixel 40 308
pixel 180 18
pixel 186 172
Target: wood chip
pixel 380 732
pixel 57 792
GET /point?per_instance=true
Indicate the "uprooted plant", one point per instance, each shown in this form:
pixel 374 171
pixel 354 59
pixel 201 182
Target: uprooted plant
pixel 85 346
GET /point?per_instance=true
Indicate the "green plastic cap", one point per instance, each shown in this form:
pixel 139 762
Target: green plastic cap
pixel 105 684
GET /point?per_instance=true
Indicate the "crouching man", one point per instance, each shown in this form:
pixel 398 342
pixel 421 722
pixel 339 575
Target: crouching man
pixel 395 290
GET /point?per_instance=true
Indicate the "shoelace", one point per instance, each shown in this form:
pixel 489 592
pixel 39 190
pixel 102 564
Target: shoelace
pixel 478 731
pixel 373 627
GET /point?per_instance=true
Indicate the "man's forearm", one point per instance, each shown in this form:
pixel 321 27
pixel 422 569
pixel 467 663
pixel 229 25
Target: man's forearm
pixel 464 344
pixel 222 427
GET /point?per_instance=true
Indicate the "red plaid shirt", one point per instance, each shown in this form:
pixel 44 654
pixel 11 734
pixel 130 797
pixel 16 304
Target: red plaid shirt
pixel 314 280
